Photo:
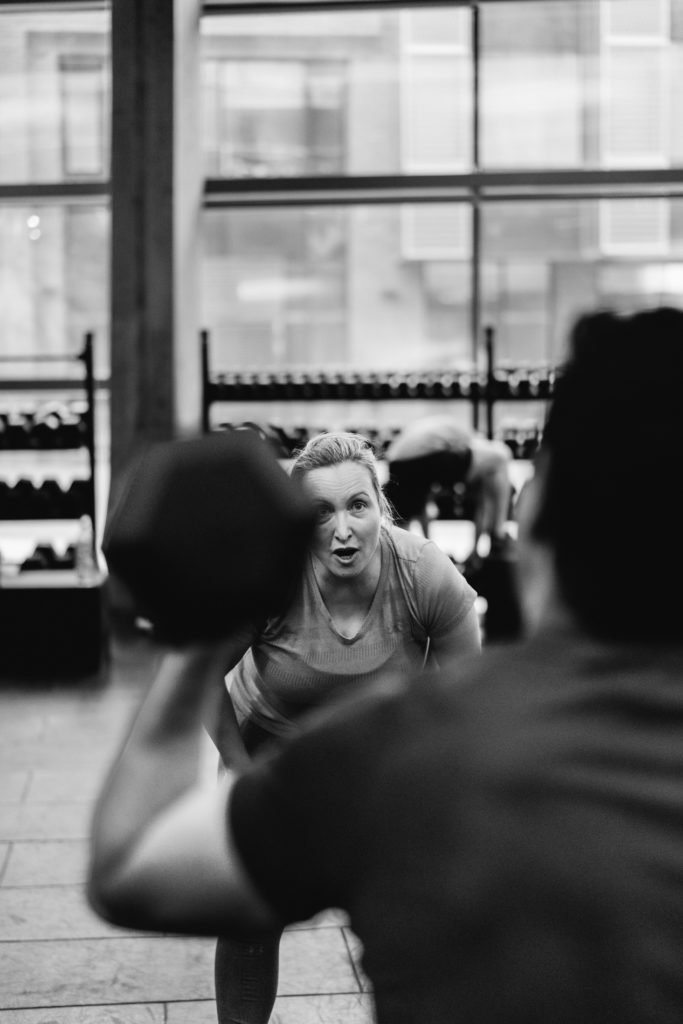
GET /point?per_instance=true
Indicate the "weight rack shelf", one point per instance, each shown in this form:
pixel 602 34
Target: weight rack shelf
pixel 53 617
pixel 480 387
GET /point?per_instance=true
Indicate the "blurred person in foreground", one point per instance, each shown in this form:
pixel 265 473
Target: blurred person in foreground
pixel 510 849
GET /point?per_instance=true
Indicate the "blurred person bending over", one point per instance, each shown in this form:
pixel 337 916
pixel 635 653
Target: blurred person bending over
pixel 509 850
pixel 434 454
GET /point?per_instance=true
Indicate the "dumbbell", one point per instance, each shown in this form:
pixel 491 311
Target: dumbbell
pixel 206 534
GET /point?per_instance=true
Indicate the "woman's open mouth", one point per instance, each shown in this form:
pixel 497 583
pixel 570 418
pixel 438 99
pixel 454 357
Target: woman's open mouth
pixel 345 555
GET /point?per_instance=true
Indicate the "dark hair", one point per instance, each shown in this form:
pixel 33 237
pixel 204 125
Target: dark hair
pixel 611 449
pixel 334 447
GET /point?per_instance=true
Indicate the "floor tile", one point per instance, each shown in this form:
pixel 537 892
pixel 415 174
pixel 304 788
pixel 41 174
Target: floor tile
pixel 46 863
pixel 136 968
pixel 323 1009
pixel 45 821
pixel 105 971
pixel 63 786
pixel 61 752
pixel 121 1014
pixel 107 723
pixel 355 948
pixel 201 1012
pixel 58 912
pixel 314 962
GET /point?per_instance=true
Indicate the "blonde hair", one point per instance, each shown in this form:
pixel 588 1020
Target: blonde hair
pixel 332 448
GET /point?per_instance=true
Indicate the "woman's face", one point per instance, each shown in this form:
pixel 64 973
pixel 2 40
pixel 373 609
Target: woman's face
pixel 346 538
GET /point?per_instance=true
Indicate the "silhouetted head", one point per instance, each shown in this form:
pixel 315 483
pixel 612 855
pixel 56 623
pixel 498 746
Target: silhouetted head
pixel 609 463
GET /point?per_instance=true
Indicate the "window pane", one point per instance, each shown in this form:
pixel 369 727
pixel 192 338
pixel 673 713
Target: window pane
pixel 54 282
pixel 82 81
pixel 336 93
pixel 631 19
pixel 327 288
pixel 547 262
pixel 577 84
pixel 54 95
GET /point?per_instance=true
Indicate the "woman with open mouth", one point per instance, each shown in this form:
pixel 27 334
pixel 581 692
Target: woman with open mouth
pixel 375 602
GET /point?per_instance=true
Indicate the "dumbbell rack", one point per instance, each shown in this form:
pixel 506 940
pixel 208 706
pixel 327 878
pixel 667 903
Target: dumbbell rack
pixel 52 612
pixel 480 387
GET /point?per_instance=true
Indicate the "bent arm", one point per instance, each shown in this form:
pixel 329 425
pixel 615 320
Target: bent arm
pixel 461 641
pixel 447 606
pixel 221 721
pixel 161 855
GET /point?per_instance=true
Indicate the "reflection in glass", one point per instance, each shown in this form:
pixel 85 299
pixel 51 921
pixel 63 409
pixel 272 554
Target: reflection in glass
pixel 577 84
pixel 54 94
pixel 385 287
pixel 544 263
pixel 54 280
pixel 84 117
pixel 337 93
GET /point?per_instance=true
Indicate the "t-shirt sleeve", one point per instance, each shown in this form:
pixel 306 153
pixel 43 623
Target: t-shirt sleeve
pixel 444 597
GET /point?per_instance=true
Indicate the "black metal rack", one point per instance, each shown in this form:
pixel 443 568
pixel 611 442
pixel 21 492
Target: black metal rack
pixel 480 387
pixel 37 434
pixel 53 614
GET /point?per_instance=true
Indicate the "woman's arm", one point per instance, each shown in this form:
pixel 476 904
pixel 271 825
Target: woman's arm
pixel 446 601
pixel 161 855
pixel 460 641
pixel 221 721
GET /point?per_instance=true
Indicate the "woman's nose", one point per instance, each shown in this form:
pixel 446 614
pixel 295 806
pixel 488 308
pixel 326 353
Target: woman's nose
pixel 341 526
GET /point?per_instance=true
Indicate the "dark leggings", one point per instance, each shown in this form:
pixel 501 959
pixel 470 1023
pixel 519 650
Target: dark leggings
pixel 246 975
pixel 246 970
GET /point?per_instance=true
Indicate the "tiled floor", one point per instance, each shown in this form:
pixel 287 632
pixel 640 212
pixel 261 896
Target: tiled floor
pixel 60 964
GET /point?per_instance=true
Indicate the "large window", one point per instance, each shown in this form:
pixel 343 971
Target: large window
pixel 54 168
pixel 427 171
pixel 55 95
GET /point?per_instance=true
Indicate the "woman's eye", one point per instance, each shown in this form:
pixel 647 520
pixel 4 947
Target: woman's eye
pixel 322 514
pixel 358 506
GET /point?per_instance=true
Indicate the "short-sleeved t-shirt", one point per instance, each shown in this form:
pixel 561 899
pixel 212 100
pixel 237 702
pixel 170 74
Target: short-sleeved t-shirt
pixel 301 661
pixel 522 830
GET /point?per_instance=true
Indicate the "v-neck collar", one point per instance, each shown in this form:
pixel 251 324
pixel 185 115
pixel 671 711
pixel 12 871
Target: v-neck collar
pixel 322 607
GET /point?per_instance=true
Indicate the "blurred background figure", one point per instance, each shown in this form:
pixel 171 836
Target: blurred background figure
pixel 434 454
pixel 430 458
